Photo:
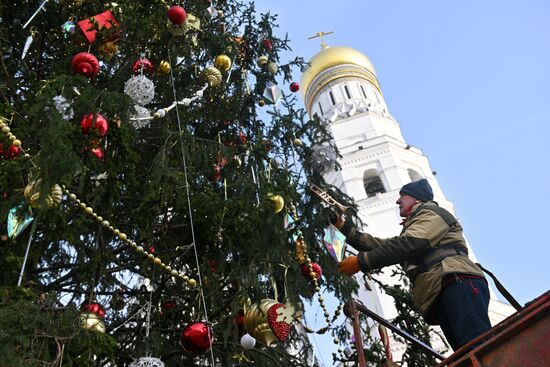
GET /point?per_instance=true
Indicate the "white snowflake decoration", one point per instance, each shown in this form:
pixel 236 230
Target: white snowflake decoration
pixel 63 107
pixel 140 88
pixel 323 158
pixel 147 362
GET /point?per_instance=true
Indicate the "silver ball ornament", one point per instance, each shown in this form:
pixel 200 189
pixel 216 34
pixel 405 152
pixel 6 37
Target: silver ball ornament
pixel 140 88
pixel 147 362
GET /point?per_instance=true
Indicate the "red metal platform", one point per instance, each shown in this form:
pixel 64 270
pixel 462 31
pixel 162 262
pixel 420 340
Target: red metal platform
pixel 521 340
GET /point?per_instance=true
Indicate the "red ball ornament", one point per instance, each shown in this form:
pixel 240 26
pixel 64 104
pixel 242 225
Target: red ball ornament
pixel 143 65
pixel 242 137
pixel 216 174
pixel 11 152
pixel 197 337
pixel 239 321
pixel 267 44
pixel 86 64
pixel 98 152
pixel 93 307
pixel 168 305
pixel 95 121
pixel 177 15
pixel 294 87
pixel 316 269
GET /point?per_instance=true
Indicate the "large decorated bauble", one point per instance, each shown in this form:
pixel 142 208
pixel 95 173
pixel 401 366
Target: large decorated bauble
pixel 255 322
pixel 278 202
pixel 315 272
pixel 143 66
pixel 90 321
pixel 140 88
pixel 177 15
pixel 147 362
pixel 279 318
pixel 94 121
pixel 34 198
pixel 197 337
pixel 213 76
pixel 222 62
pixel 84 63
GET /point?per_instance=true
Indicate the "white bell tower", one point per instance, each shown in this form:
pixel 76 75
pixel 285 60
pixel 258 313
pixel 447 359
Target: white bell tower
pixel 342 88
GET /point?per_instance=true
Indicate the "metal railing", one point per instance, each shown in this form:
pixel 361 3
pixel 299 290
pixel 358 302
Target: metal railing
pixel 352 309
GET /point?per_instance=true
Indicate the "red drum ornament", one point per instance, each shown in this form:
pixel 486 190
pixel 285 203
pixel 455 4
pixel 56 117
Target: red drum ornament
pixel 143 65
pixel 197 337
pixel 294 87
pixel 316 271
pixel 95 121
pixel 84 63
pixel 177 15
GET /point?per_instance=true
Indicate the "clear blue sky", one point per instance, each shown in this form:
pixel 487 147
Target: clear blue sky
pixel 469 83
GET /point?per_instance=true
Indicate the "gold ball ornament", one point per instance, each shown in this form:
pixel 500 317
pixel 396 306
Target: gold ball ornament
pixel 261 102
pixel 32 195
pixel 255 322
pixel 91 321
pixel 278 202
pixel 213 76
pixel 272 68
pixel 262 61
pixel 164 67
pixel 297 142
pixel 223 62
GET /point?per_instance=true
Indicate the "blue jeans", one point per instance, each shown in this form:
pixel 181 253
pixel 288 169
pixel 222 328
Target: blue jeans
pixel 462 308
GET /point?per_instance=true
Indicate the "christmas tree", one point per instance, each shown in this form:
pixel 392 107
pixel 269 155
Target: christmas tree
pixel 154 173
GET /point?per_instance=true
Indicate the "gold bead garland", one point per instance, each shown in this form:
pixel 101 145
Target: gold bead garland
pixel 6 130
pixel 124 238
pixel 313 277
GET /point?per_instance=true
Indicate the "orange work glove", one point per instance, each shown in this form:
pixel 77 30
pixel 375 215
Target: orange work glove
pixel 349 266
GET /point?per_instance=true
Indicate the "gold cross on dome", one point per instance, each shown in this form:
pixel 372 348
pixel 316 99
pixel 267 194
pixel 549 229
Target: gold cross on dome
pixel 320 35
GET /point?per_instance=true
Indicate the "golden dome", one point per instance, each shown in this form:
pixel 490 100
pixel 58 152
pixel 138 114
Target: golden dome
pixel 334 56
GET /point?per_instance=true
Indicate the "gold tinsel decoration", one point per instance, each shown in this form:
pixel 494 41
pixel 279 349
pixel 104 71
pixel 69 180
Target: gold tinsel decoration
pixel 213 76
pixel 32 195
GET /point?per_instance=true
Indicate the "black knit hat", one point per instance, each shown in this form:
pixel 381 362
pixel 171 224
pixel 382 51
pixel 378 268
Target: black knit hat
pixel 420 190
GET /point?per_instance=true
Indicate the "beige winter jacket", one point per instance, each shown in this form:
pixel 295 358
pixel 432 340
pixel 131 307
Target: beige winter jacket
pixel 423 230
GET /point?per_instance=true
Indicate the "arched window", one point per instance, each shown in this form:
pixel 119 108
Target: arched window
pixel 372 182
pixel 415 176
